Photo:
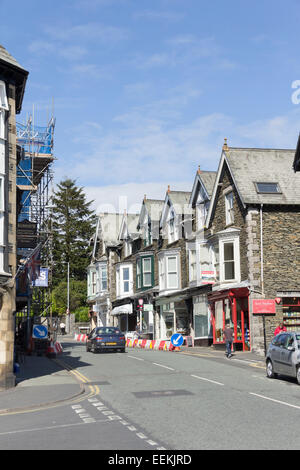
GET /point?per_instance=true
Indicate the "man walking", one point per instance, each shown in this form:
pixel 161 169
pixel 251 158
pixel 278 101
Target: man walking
pixel 228 335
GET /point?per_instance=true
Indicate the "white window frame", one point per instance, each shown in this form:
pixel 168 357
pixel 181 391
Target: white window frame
pixel 147 272
pixel 193 264
pixel 165 273
pixel 120 281
pixel 236 259
pixel 229 209
pixel 3 96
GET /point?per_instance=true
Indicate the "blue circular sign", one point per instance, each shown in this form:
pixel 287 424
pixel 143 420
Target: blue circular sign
pixel 177 339
pixel 39 331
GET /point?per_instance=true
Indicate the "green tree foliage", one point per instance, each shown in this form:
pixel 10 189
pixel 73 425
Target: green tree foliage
pixel 77 298
pixel 73 226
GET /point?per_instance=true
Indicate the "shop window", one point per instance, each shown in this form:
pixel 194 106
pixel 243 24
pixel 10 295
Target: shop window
pixel 291 313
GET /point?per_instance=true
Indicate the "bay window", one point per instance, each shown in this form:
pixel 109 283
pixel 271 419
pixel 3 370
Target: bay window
pixel 169 271
pixel 102 277
pixel 124 283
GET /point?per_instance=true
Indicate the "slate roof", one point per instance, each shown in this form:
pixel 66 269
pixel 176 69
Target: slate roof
pixel 208 178
pixel 180 201
pixel 12 71
pixel 248 166
pixel 7 57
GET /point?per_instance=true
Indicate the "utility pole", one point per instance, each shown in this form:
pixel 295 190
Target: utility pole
pixel 68 300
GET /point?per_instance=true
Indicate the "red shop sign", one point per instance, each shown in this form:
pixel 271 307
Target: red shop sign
pixel 264 306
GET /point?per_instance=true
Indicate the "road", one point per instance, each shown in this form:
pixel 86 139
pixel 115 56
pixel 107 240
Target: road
pixel 151 400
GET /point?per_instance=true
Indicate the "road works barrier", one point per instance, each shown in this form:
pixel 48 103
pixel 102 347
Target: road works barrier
pixel 80 338
pixel 54 349
pixel 160 345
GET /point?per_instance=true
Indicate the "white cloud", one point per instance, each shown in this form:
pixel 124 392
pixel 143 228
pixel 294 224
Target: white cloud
pixel 129 197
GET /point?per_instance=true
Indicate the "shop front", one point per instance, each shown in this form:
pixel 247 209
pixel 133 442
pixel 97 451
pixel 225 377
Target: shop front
pixel 231 306
pixel 174 317
pixel 124 317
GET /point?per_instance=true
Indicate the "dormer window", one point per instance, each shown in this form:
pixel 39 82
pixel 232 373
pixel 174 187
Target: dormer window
pixel 229 208
pixel 267 188
pixel 172 228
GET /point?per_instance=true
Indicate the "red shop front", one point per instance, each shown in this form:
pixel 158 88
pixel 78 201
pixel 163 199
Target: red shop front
pixel 231 306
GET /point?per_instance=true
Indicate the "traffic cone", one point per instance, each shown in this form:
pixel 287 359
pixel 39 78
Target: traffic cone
pixel 51 350
pixel 177 348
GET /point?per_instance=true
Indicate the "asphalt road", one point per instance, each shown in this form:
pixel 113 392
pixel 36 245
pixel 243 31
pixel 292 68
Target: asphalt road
pixel 150 400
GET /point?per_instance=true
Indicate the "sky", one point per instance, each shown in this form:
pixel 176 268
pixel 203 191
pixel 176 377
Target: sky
pixel 144 91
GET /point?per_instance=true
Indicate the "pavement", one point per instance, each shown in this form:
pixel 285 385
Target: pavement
pixel 44 382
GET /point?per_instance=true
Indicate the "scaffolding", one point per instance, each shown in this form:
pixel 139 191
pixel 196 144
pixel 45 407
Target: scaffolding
pixel 34 191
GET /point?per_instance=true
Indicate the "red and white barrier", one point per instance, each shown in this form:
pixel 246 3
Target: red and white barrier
pixel 80 338
pixel 158 344
pixel 54 349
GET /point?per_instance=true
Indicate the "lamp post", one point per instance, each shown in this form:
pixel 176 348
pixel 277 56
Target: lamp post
pixel 68 300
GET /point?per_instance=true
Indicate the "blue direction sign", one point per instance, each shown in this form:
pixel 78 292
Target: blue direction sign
pixel 39 331
pixel 177 339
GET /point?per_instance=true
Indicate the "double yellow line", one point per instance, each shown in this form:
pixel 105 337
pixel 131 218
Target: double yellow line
pixel 94 389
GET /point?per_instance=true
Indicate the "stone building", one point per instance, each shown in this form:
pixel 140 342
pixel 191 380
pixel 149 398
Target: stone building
pixel 101 271
pixel 253 232
pixel 173 305
pixel 13 79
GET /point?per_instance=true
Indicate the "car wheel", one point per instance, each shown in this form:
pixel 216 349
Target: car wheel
pixel 270 370
pixel 298 375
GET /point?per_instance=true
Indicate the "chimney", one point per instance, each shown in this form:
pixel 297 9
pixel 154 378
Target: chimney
pixel 168 189
pixel 225 146
pixel 199 171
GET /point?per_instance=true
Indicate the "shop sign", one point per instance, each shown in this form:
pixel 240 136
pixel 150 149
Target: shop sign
pixel 208 277
pixel 148 307
pixel 264 306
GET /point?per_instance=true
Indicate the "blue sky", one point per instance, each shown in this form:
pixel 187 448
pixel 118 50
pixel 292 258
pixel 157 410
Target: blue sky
pixel 144 91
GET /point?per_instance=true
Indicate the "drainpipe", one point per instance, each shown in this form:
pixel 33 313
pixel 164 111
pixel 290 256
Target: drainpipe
pixel 261 251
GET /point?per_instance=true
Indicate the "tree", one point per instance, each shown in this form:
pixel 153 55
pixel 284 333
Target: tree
pixel 77 297
pixel 73 226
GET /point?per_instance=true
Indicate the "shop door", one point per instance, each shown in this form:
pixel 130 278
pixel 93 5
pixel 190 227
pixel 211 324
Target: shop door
pixel 242 323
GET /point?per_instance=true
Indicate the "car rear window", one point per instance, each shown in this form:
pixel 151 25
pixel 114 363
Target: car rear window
pixel 108 331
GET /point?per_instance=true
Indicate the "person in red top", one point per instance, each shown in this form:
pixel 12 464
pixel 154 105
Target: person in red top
pixel 280 328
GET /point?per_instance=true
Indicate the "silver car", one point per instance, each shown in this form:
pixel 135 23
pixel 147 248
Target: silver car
pixel 283 356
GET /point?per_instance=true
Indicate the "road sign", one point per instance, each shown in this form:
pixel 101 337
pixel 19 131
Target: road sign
pixel 39 331
pixel 177 339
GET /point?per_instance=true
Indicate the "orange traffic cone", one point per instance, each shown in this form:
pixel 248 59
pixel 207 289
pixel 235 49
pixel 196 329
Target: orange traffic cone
pixel 51 350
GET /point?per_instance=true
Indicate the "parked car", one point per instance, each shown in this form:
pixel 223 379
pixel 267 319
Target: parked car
pixel 283 356
pixel 105 338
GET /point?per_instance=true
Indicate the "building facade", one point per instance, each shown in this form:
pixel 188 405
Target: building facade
pixel 12 86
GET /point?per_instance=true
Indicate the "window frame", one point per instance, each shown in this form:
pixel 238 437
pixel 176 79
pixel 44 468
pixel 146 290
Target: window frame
pixel 229 207
pixel 235 241
pixel 140 272
pixel 259 191
pixel 120 281
pixel 164 272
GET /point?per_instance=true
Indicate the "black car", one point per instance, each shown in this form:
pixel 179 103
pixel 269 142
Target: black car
pixel 105 338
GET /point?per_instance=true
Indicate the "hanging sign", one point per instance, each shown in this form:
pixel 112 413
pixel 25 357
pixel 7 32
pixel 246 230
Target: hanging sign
pixel 264 307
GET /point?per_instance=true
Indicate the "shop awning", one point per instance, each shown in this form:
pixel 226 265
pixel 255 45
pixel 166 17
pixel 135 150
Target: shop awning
pixel 122 310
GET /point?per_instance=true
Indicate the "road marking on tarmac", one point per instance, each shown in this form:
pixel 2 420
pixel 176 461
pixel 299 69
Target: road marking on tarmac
pixel 275 401
pixel 161 365
pixel 207 380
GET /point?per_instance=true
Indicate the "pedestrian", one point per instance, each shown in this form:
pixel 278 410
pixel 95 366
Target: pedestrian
pixel 62 328
pixel 280 328
pixel 228 335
